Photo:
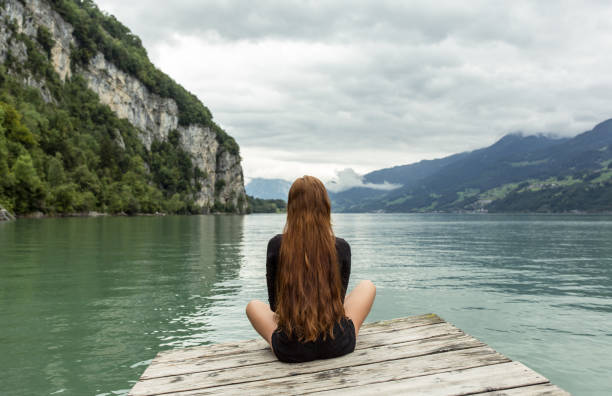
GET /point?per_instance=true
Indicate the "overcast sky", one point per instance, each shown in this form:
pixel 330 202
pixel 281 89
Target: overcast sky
pixel 314 87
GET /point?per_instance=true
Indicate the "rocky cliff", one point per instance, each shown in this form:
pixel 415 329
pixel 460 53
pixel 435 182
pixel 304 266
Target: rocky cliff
pixel 129 98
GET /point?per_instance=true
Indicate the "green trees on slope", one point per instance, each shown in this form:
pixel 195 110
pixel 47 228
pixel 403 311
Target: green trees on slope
pixel 258 205
pixel 62 151
pixel 67 157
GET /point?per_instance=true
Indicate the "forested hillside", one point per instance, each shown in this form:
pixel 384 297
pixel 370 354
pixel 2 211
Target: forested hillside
pixel 62 150
pixel 516 174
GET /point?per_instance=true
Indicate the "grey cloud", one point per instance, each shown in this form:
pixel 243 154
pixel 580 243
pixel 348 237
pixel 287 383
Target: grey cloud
pixel 404 80
pixel 348 178
pixel 418 21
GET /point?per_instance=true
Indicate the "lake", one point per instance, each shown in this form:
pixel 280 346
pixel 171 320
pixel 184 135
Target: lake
pixel 86 303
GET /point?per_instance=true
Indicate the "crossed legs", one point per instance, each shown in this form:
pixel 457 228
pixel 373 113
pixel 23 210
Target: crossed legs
pixel 262 319
pixel 357 305
pixel 358 302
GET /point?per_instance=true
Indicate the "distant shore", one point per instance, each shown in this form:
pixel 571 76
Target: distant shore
pixel 40 215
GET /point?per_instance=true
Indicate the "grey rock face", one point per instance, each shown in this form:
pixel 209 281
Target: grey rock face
pixel 129 98
pixel 27 19
pixel 5 215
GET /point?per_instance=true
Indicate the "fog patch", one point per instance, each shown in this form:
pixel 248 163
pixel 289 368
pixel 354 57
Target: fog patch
pixel 348 178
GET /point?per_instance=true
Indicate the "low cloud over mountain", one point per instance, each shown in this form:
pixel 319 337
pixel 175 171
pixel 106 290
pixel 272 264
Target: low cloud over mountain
pixel 348 178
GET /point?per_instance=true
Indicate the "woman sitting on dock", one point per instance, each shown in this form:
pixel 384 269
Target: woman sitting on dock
pixel 307 271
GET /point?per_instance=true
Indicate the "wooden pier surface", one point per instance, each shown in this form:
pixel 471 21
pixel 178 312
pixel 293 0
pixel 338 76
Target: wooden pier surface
pixel 414 355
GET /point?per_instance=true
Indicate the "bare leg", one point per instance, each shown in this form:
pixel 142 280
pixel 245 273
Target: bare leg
pixel 262 319
pixel 358 302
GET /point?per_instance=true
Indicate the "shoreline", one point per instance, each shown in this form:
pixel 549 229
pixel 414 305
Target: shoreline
pixel 92 214
pixel 40 215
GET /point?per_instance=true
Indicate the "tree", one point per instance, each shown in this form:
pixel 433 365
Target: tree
pixel 28 187
pixel 55 170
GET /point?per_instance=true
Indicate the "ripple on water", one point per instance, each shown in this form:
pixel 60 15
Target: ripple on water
pixel 107 295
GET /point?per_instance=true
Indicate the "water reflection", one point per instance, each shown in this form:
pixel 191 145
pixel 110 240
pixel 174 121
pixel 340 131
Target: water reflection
pixel 537 288
pixel 228 245
pixel 199 325
pixel 81 297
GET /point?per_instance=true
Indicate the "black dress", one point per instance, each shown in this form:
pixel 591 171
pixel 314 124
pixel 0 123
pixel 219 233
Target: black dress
pixel 291 350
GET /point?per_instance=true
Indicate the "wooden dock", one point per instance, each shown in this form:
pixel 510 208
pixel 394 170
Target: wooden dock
pixel 414 355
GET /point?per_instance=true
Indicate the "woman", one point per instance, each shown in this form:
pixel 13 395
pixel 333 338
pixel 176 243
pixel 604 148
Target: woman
pixel 307 272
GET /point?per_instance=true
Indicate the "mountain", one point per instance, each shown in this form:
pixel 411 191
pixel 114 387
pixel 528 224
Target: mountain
pixel 517 173
pixel 410 174
pixel 88 123
pixel 268 188
pixel 404 175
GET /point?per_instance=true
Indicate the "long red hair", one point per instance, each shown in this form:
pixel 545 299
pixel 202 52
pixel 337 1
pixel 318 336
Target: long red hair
pixel 308 287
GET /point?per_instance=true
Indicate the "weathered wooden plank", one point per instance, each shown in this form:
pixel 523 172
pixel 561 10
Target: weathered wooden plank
pixel 276 369
pixel 417 355
pixel 461 382
pixel 265 355
pixel 205 351
pixel 257 344
pixel 400 323
pixel 533 390
pixel 359 375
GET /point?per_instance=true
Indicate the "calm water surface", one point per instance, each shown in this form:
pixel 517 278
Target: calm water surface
pixel 86 303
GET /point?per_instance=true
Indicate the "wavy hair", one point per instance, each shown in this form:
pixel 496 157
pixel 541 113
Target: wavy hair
pixel 308 286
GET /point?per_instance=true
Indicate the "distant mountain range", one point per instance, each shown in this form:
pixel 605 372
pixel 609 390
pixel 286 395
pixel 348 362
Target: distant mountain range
pixel 268 188
pixel 516 174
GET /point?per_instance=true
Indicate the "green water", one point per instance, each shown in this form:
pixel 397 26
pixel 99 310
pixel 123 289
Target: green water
pixel 85 303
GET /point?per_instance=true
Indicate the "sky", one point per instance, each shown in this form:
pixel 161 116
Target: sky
pixel 341 88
